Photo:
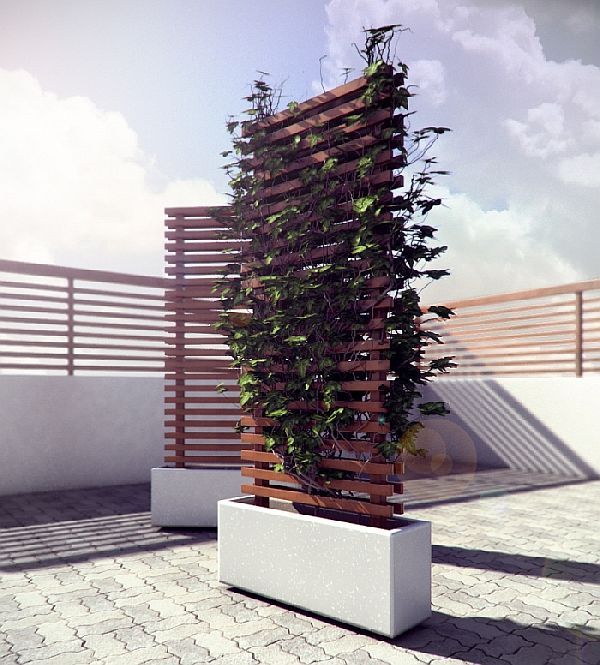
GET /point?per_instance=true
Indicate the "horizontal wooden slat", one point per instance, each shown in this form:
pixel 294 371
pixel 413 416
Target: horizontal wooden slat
pixel 530 294
pixel 367 407
pixel 46 270
pixel 361 426
pixel 33 286
pixel 338 464
pixel 204 435
pixel 204 459
pixel 362 486
pixel 182 414
pixel 150 367
pixel 348 505
pixel 338 93
pixel 212 447
pixel 34 366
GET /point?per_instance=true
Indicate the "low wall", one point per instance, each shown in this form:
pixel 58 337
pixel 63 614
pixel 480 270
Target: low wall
pixel 547 425
pixel 65 432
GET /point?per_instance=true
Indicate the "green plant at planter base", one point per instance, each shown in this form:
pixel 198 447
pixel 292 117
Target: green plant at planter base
pixel 324 298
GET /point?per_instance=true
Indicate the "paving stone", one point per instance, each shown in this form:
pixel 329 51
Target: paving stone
pixel 166 608
pixel 23 638
pixel 481 658
pixel 273 654
pixel 21 620
pixel 71 610
pixel 135 638
pixel 29 599
pixel 160 625
pixel 98 603
pixel 537 653
pixel 50 651
pixel 307 653
pixel 104 646
pixel 417 638
pixel 55 631
pixel 360 657
pixel 75 658
pixel 505 645
pixel 140 613
pixel 139 656
pixel 590 652
pixel 236 659
pixel 217 645
pixel 103 627
pixel 181 631
pixel 263 638
pixel 238 612
pixel 187 651
pixel 346 644
pixel 386 652
pixel 8 659
pixel 326 634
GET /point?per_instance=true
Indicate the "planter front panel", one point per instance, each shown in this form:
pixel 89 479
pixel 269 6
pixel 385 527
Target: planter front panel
pixel 372 578
pixel 189 497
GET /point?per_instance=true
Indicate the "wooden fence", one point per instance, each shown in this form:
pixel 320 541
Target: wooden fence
pixel 65 320
pixel 546 331
pixel 323 127
pixel 199 419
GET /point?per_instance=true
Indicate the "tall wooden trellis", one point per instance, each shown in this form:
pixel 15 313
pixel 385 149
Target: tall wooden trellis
pixel 335 124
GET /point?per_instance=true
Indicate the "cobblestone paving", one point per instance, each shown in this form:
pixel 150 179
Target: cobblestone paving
pixel 86 579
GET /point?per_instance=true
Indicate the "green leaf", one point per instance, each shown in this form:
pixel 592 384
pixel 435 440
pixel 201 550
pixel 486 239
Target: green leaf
pixel 433 409
pixel 296 339
pixel 363 204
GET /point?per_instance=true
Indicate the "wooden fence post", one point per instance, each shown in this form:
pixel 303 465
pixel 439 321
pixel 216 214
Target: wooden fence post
pixel 70 327
pixel 578 333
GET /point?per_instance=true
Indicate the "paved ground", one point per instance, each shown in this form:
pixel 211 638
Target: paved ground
pixel 86 579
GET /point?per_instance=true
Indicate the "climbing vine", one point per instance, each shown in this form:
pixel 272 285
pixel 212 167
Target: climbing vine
pixel 301 307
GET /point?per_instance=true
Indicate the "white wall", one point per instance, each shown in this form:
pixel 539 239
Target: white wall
pixel 62 432
pixel 534 424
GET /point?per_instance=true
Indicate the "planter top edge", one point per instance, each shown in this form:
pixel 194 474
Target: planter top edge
pixel 405 523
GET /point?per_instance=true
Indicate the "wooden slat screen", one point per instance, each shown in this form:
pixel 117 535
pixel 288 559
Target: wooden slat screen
pixel 321 128
pixel 58 320
pixel 199 420
pixel 539 332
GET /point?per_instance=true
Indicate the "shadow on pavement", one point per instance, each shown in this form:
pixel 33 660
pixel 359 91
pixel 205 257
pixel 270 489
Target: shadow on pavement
pixel 493 641
pixel 517 564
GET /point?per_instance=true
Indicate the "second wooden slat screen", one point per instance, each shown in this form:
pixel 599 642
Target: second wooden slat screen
pixel 200 420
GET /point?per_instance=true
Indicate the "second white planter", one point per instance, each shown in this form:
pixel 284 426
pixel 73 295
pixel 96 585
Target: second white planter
pixel 376 579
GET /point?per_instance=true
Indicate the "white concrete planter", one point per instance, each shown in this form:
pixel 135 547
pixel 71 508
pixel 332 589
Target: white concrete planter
pixel 189 497
pixel 376 579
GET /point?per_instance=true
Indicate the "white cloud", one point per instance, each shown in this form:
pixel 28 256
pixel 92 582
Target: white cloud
pixel 524 152
pixel 544 132
pixel 428 76
pixel 581 169
pixel 490 251
pixel 74 184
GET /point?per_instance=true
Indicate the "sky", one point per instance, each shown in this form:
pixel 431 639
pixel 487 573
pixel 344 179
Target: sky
pixel 111 111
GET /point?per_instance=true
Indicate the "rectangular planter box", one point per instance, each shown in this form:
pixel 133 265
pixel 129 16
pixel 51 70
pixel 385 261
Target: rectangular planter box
pixel 372 578
pixel 189 497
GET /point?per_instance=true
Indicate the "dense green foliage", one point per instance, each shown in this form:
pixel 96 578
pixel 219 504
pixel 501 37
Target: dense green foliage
pixel 313 260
